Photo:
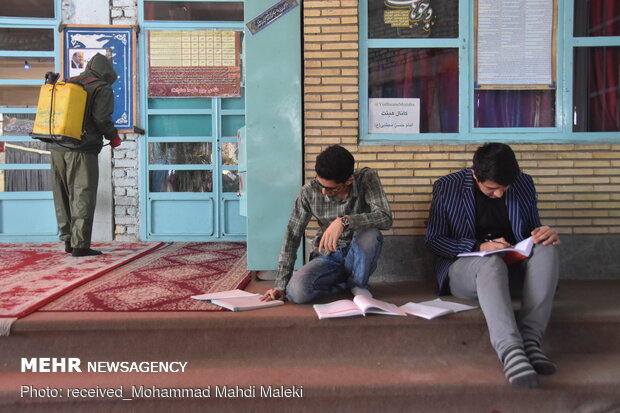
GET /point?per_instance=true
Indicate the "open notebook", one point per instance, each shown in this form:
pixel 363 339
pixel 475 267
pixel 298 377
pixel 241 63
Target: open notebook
pixel 360 305
pixel 237 300
pixel 511 255
pixel 434 308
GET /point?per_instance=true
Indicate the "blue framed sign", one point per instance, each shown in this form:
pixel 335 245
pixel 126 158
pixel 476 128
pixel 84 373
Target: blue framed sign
pixel 81 43
pixel 271 15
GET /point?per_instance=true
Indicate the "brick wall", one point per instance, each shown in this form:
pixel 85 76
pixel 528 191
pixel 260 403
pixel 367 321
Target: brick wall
pixel 578 185
pixel 124 12
pixel 125 159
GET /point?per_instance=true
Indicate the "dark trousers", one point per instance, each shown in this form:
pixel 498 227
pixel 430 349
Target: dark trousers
pixel 74 184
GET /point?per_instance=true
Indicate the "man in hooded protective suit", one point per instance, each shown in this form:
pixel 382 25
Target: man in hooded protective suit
pixel 75 168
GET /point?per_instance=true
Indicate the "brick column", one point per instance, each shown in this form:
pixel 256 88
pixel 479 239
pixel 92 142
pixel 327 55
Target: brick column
pixel 125 160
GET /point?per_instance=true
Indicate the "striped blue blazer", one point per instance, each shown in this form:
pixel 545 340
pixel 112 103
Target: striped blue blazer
pixel 452 223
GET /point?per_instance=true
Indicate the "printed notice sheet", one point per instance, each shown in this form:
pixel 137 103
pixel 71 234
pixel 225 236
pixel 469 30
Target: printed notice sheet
pixel 514 42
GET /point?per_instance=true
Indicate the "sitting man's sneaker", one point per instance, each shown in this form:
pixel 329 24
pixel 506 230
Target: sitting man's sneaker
pixel 84 252
pixel 68 248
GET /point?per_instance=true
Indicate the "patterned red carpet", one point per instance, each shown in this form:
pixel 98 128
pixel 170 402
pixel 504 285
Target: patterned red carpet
pixel 34 274
pixel 163 280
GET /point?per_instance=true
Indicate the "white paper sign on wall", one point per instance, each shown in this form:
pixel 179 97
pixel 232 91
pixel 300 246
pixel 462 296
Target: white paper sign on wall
pixel 387 115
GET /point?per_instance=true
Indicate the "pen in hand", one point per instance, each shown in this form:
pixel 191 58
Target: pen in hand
pixel 501 241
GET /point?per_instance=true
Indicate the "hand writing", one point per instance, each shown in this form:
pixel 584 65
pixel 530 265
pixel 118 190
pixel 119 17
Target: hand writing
pixel 494 244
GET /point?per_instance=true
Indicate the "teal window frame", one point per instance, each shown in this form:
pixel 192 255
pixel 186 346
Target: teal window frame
pixel 27 196
pixel 467 133
pixel 215 111
pixel 30 23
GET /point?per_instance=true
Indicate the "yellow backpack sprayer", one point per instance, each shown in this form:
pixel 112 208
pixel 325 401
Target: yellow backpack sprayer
pixel 61 111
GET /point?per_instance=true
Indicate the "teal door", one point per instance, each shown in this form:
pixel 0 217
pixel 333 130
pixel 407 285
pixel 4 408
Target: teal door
pixel 189 181
pixel 192 165
pixel 274 129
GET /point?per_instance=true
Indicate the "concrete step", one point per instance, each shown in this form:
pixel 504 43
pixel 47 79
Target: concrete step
pixel 586 319
pixel 440 383
pixel 361 364
pixel 204 338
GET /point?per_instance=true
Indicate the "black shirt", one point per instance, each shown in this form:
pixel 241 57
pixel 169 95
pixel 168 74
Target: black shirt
pixel 492 219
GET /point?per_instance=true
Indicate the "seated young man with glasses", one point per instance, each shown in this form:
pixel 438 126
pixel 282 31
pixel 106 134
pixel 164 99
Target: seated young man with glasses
pixel 351 209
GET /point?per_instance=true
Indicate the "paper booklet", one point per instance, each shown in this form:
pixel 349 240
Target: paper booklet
pixel 514 254
pixel 434 308
pixel 245 303
pixel 224 295
pixel 360 305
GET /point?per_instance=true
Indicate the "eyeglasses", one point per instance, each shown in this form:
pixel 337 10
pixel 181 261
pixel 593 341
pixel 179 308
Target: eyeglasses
pixel 330 189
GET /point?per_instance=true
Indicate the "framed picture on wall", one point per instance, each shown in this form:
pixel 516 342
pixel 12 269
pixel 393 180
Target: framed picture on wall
pixel 118 43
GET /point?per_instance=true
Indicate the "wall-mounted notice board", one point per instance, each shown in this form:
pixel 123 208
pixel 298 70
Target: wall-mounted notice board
pixel 194 63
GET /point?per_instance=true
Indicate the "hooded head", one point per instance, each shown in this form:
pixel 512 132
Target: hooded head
pixel 101 67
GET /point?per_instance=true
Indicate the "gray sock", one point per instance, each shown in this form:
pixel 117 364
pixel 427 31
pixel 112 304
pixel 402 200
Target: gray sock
pixel 538 359
pixel 355 290
pixel 518 369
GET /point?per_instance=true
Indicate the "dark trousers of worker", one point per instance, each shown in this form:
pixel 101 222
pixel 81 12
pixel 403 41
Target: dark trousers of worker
pixel 491 281
pixel 74 184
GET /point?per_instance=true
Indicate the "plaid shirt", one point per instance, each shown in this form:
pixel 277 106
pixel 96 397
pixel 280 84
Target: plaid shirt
pixel 365 204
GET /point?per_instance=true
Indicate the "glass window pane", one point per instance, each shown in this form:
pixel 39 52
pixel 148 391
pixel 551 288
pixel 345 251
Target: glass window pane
pixel 19 96
pixel 25 180
pixel 26 39
pixel 194 11
pixel 27 8
pixel 413 19
pixel 16 124
pixel 230 153
pixel 596 89
pixel 597 18
pixel 230 181
pixel 25 153
pixel 173 153
pixel 181 181
pixel 180 103
pixel 514 108
pixel 231 124
pixel 180 125
pixel 428 74
pixel 25 67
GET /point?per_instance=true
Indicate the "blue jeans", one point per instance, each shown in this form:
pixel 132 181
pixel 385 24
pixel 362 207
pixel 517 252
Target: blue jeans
pixel 327 275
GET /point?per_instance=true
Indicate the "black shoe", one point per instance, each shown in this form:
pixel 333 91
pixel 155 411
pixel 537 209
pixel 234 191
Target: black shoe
pixel 84 252
pixel 68 247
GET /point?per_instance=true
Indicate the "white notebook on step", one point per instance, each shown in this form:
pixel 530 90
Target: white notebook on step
pixel 224 295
